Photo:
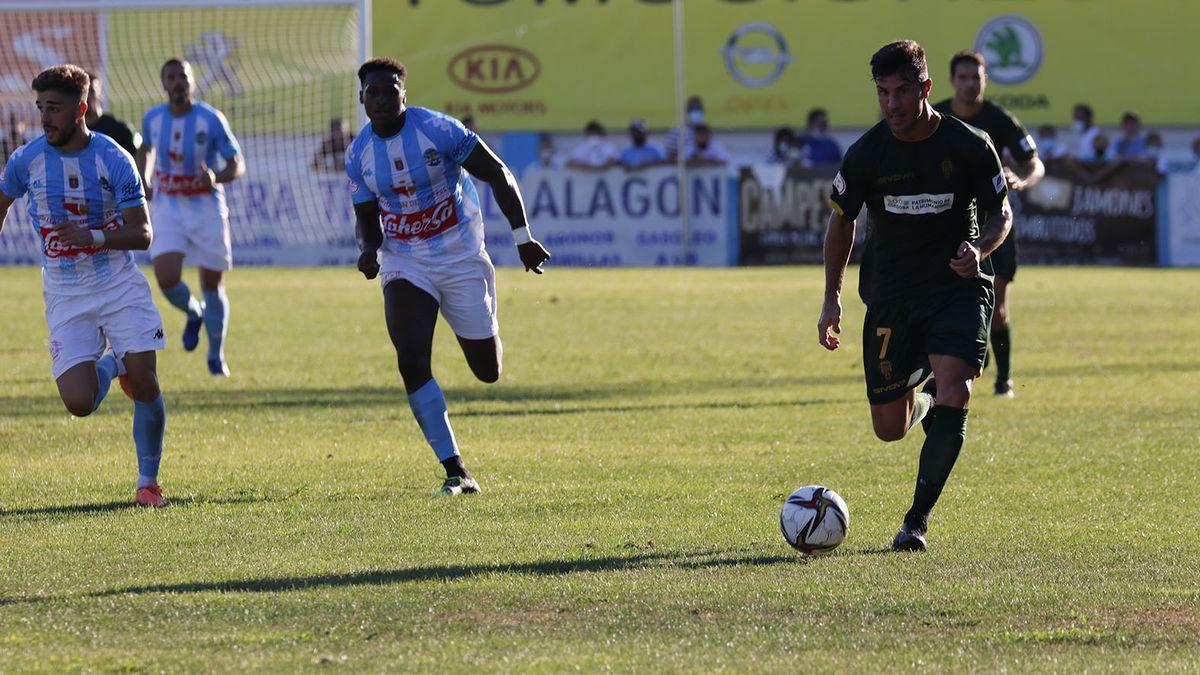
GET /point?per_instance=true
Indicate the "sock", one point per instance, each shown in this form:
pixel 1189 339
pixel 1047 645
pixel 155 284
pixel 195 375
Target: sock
pixel 943 442
pixel 216 316
pixel 923 403
pixel 180 296
pixel 106 370
pixel 1002 346
pixel 149 419
pixel 454 467
pixel 429 407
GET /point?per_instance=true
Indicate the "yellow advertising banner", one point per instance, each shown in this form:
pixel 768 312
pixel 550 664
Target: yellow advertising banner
pixel 555 64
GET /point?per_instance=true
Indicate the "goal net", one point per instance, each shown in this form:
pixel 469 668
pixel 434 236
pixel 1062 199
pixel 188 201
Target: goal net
pixel 282 72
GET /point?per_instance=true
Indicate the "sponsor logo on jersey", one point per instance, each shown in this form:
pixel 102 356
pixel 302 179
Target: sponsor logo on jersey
pixel 1027 144
pixel 998 182
pixel 201 137
pixel 105 184
pixel 419 225
pixel 353 186
pixel 432 158
pixel 494 69
pixel 917 205
pixel 839 183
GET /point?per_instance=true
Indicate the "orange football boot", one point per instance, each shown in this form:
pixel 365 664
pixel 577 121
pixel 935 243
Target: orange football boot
pixel 150 496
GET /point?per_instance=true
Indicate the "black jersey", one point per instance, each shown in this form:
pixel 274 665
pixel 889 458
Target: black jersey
pixel 1006 131
pixel 119 131
pixel 922 197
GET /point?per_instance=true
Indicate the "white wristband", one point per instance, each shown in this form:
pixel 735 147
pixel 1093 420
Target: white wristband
pixel 97 238
pixel 522 236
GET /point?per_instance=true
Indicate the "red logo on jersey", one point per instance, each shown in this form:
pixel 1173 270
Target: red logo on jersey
pixel 399 164
pixel 73 182
pixel 54 248
pixel 424 224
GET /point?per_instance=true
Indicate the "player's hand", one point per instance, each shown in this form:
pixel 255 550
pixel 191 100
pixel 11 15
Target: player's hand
pixel 533 255
pixel 829 325
pixel 207 178
pixel 73 235
pixel 368 264
pixel 966 265
pixel 1014 181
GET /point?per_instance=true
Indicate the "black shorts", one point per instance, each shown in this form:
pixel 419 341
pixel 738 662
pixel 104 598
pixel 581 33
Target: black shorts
pixel 899 336
pixel 1004 258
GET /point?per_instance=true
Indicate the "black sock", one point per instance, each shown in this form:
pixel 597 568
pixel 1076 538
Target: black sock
pixel 1002 346
pixel 942 445
pixel 454 467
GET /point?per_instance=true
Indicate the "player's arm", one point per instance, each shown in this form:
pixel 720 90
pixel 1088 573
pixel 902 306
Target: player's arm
pixel 487 167
pixel 235 167
pixel 1026 175
pixel 133 235
pixel 1024 153
pixel 369 235
pixel 991 194
pixel 5 203
pixel 145 160
pixel 839 240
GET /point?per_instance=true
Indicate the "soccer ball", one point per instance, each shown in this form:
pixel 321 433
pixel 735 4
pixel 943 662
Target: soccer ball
pixel 814 520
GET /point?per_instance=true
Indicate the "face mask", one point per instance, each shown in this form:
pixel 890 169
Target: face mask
pixel 782 149
pixel 546 155
pixel 1154 152
pixel 795 153
pixel 696 116
pixel 1078 126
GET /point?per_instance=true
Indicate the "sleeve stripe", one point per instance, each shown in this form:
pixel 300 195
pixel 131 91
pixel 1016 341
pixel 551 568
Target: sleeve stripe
pixel 834 205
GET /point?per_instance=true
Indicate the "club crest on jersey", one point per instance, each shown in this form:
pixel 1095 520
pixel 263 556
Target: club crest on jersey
pixel 432 158
pixel 201 137
pixel 839 183
pixel 885 369
pixel 73 182
pixel 947 168
pixel 178 135
pixel 105 185
pixel 398 164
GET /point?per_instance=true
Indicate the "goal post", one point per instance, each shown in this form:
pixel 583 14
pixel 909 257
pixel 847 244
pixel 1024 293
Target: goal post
pixel 282 72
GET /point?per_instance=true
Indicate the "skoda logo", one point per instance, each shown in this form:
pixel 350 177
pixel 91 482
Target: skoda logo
pixel 1012 46
pixel 756 54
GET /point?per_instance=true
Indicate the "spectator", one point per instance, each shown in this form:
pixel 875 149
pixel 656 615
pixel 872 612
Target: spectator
pixel 1047 143
pixel 1101 152
pixel 100 121
pixel 1087 132
pixel 705 150
pixel 331 156
pixel 781 146
pixel 820 148
pixel 594 153
pixel 548 157
pixel 695 116
pixel 1154 155
pixel 641 153
pixel 1196 154
pixel 1131 144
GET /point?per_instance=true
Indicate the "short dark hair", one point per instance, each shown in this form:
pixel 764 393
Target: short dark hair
pixel 1085 109
pixel 173 61
pixel 815 113
pixel 967 56
pixel 66 79
pixel 1131 117
pixel 904 57
pixel 381 64
pixel 594 127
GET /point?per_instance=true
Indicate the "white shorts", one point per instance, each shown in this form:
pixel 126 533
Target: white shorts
pixel 82 325
pixel 465 291
pixel 197 227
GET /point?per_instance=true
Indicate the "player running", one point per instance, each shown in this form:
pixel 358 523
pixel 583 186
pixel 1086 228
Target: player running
pixel 419 226
pixel 86 200
pixel 183 140
pixel 968 76
pixel 922 177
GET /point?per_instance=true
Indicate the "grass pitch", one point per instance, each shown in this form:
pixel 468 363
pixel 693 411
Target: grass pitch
pixel 634 457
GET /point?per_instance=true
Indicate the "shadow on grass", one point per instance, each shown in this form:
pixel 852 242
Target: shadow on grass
pixel 548 568
pixel 128 505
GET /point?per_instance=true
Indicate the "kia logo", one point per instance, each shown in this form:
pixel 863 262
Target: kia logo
pixel 494 69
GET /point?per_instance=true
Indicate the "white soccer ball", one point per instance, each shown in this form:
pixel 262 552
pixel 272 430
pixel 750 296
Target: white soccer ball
pixel 814 520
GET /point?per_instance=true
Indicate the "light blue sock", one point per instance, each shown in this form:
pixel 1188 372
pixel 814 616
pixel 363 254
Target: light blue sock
pixel 149 420
pixel 106 370
pixel 429 407
pixel 216 319
pixel 180 296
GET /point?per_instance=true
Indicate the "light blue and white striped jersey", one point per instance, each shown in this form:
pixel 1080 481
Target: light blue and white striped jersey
pixel 428 206
pixel 183 143
pixel 86 188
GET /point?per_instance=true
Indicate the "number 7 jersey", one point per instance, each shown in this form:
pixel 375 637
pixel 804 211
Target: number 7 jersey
pixel 429 209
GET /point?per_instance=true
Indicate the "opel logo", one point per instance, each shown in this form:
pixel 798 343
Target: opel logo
pixel 756 54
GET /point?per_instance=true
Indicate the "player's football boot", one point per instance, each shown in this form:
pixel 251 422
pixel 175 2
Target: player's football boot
pixel 459 485
pixel 218 367
pixel 1004 389
pixel 908 540
pixel 150 496
pixel 191 332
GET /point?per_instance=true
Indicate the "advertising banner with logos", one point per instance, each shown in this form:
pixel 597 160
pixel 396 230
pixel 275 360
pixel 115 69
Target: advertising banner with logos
pixel 782 214
pixel 1181 235
pixel 555 64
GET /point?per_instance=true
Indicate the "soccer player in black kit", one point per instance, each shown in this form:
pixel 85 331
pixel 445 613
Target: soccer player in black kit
pixel 928 181
pixel 968 76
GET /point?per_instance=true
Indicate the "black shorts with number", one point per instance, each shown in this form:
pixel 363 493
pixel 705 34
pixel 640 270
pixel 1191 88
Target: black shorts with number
pixel 1004 258
pixel 899 336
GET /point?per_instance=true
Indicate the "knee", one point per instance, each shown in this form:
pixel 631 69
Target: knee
pixel 78 405
pixel 144 387
pixel 413 365
pixel 488 374
pixel 1000 318
pixel 889 432
pixel 954 394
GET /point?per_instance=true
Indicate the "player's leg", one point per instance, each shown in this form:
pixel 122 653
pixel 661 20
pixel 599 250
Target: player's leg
pixel 167 252
pixel 469 304
pixel 894 363
pixel 411 314
pixel 216 319
pixel 1001 335
pixel 81 368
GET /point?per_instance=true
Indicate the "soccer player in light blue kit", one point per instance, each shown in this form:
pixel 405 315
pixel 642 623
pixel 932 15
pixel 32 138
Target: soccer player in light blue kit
pixel 419 226
pixel 183 141
pixel 86 200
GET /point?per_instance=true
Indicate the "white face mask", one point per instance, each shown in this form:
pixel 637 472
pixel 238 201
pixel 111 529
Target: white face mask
pixel 546 154
pixel 1078 126
pixel 695 116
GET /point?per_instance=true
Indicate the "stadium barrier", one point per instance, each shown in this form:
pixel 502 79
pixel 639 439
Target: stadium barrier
pixel 1179 244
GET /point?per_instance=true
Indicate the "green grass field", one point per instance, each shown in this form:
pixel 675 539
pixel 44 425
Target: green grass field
pixel 634 457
